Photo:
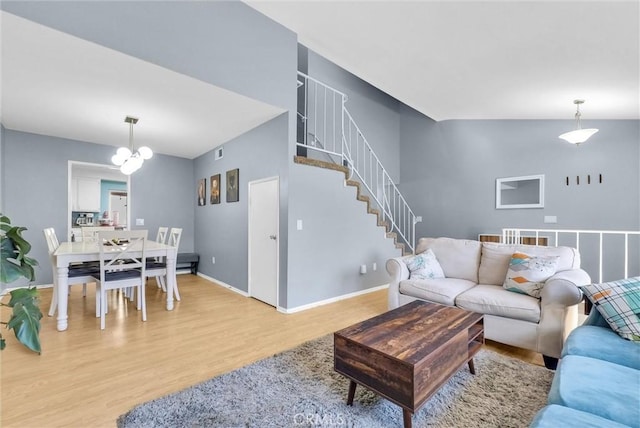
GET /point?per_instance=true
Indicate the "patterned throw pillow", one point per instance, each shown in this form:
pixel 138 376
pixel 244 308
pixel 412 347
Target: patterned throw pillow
pixel 619 303
pixel 527 274
pixel 424 266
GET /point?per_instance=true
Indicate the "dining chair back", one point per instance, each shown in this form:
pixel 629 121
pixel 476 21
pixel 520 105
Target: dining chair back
pixel 157 262
pixel 174 237
pixel 90 233
pixel 78 274
pixel 158 269
pixel 161 237
pixel 122 265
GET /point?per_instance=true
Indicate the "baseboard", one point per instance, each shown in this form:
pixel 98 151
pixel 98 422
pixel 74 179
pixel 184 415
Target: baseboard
pixel 331 300
pixel 223 284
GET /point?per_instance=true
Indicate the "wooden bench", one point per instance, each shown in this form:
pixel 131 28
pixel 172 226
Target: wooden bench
pixel 191 259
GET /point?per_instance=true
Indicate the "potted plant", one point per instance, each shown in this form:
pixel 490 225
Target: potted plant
pixel 15 264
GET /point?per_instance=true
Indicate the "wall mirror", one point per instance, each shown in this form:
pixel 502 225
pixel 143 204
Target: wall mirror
pixel 520 192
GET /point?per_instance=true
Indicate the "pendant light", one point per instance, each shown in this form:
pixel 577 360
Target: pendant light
pixel 579 135
pixel 128 161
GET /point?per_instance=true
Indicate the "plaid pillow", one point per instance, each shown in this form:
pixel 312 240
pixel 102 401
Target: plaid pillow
pixel 619 303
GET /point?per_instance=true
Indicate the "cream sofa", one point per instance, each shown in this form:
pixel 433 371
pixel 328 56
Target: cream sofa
pixel 474 273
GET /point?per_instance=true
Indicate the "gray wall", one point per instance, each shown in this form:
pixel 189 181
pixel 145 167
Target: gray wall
pixel 375 112
pixel 226 43
pixel 338 236
pixel 35 172
pixel 222 228
pixel 449 170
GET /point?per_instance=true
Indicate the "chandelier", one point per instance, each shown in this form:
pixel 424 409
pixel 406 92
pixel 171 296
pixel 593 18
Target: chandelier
pixel 128 160
pixel 579 135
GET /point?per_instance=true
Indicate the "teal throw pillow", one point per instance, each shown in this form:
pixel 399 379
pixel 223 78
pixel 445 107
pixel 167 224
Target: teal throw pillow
pixel 424 266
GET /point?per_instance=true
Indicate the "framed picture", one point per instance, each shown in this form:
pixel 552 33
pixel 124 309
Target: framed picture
pixel 520 192
pixel 202 192
pixel 233 176
pixel 215 189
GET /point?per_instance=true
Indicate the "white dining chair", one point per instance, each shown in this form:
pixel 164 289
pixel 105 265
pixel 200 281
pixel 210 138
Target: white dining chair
pixel 161 237
pixel 90 233
pixel 78 273
pixel 158 269
pixel 122 266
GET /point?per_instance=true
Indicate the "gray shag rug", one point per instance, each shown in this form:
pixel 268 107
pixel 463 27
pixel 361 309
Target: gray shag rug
pixel 300 388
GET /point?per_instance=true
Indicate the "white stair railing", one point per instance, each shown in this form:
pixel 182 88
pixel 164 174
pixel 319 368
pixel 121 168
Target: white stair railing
pixel 613 254
pixel 325 125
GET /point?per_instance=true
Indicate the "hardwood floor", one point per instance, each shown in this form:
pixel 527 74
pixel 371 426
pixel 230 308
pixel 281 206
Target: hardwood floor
pixel 88 377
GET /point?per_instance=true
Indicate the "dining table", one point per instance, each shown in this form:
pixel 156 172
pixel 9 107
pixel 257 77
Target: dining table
pixel 72 252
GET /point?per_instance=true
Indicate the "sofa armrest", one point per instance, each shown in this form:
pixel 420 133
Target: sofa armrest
pixel 559 310
pixel 398 271
pixel 562 288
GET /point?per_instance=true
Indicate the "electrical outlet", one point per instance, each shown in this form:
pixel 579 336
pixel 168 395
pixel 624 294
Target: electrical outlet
pixel 213 260
pixel 374 267
pixel 363 269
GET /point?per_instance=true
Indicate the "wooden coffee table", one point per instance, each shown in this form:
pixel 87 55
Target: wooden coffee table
pixel 407 354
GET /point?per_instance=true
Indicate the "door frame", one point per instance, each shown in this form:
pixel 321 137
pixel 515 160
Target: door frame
pixel 97 166
pixel 249 185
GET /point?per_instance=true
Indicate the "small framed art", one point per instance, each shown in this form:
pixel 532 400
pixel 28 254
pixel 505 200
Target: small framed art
pixel 233 177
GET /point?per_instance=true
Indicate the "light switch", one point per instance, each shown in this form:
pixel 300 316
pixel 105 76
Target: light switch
pixel 550 219
pixel 139 222
pixel 299 225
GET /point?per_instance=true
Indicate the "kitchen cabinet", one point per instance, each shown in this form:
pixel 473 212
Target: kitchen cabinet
pixel 85 194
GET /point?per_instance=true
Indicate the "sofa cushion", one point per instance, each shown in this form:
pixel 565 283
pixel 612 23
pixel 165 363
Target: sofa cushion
pixel 441 290
pixel 459 258
pixel 424 266
pixel 496 257
pixel 554 416
pixel 619 303
pixel 495 300
pixel 595 386
pixel 598 342
pixel 527 274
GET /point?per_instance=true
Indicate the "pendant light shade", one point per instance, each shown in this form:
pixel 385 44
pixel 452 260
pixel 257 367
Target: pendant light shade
pixel 128 161
pixel 579 135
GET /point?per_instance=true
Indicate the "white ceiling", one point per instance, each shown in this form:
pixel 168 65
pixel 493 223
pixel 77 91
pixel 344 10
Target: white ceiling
pixel 56 84
pixel 482 59
pixel 448 60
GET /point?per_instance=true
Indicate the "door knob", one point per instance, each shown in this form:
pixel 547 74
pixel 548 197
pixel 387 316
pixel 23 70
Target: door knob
pixel 272 237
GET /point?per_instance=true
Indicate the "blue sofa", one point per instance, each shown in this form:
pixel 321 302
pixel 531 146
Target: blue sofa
pixel 597 383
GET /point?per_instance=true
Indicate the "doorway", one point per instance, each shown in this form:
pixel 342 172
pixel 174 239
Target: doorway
pixel 92 175
pixel 264 217
pixel 118 207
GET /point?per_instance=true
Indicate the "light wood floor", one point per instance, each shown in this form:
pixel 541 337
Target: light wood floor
pixel 88 377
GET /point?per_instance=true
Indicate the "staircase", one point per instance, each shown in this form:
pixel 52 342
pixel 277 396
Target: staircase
pixel 328 137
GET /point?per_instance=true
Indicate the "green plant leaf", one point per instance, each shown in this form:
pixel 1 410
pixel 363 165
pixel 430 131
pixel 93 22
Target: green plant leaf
pixel 25 321
pixel 24 296
pixel 13 251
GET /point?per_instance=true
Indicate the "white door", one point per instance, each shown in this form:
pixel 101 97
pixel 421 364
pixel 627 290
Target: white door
pixel 263 240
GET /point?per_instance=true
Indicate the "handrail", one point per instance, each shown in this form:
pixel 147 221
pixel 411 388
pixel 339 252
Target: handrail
pixel 513 235
pixel 326 118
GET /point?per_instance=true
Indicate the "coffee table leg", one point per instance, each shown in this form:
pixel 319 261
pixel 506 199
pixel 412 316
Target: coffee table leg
pixel 472 367
pixel 406 416
pixel 352 393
